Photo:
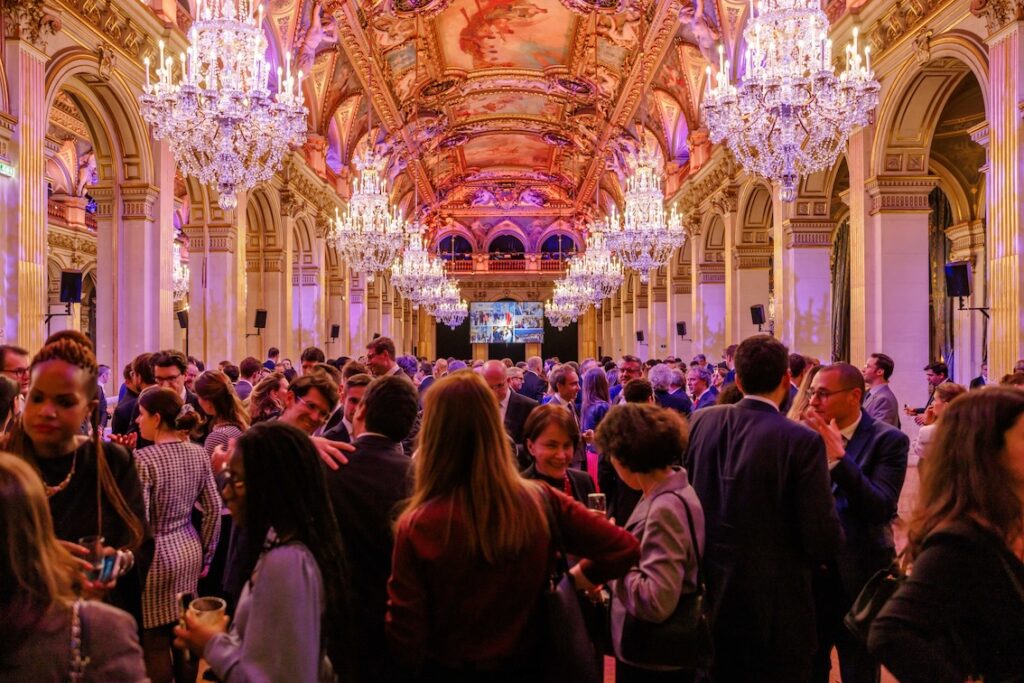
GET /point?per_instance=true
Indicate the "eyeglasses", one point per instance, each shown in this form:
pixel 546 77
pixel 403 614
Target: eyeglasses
pixel 822 394
pixel 19 372
pixel 312 407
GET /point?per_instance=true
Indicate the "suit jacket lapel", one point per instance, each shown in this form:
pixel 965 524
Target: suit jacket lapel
pixel 856 447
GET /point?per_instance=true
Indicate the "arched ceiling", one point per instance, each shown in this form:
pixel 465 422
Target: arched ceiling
pixel 501 109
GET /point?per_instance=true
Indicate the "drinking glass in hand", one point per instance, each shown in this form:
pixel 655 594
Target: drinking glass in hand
pixel 207 610
pixel 100 557
pixel 598 503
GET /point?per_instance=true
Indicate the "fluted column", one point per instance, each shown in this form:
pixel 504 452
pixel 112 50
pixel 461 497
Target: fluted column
pixel 968 240
pixel 1004 186
pixel 725 204
pixel 682 346
pixel 357 314
pixel 642 321
pixel 23 219
pixel 750 280
pixel 803 287
pixel 629 344
pixel 709 308
pixel 335 316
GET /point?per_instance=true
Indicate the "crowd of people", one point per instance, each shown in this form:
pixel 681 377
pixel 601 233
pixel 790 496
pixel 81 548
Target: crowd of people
pixel 388 518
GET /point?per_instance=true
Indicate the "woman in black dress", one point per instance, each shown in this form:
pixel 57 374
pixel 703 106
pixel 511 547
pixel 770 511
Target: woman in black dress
pixel 93 487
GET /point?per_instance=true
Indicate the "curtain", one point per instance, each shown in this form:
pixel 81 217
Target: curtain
pixel 840 260
pixel 940 310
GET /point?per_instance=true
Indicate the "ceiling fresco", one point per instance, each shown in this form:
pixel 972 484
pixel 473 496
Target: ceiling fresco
pixel 503 109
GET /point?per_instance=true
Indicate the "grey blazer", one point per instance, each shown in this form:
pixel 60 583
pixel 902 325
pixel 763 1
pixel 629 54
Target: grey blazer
pixel 668 563
pixel 882 405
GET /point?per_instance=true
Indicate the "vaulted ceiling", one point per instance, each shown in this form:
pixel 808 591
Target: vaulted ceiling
pixel 499 110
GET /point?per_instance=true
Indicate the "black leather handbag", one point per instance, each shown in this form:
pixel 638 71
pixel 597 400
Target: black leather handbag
pixel 570 656
pixel 872 598
pixel 684 639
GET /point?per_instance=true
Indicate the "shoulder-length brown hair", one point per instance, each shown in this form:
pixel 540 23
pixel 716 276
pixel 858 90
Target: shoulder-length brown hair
pixel 215 387
pixel 964 477
pixel 464 455
pixel 36 572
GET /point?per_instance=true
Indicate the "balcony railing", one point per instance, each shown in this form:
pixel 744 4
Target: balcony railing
pixel 506 263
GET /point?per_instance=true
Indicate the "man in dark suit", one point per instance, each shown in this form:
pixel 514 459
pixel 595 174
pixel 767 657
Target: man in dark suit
pixel 365 495
pixel 698 384
pixel 514 408
pixel 936 373
pixel 534 385
pixel 769 518
pixel 661 377
pixel 981 380
pixel 630 368
pixel 355 387
pixel 868 462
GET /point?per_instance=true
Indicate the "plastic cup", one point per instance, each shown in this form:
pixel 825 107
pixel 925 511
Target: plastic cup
pixel 598 502
pixel 207 611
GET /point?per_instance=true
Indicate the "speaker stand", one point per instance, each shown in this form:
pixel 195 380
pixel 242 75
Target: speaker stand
pixel 983 309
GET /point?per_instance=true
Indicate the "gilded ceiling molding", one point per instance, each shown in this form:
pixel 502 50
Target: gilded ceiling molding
pixel 111 22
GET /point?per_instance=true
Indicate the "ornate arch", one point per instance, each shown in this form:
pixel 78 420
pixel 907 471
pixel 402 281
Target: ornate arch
pixel 75 68
pixel 507 227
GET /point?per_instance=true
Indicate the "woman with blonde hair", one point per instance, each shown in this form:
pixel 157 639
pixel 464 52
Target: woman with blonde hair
pixel 960 612
pixel 227 414
pixel 472 546
pixel 802 398
pixel 267 398
pixel 47 635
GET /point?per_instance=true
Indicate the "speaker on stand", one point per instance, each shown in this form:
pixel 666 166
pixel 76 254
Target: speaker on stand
pixel 260 323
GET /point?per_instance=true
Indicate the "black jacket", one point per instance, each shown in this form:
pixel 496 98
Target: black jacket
pixel 770 519
pixel 534 386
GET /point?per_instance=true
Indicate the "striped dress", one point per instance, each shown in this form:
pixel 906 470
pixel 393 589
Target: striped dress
pixel 175 477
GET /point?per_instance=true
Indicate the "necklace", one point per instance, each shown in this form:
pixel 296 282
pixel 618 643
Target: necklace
pixel 51 491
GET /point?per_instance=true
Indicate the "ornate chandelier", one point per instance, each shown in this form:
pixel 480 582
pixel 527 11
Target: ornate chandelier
pixel 645 238
pixel 597 267
pixel 418 271
pixel 790 115
pixel 179 274
pixel 368 234
pixel 450 308
pixel 216 110
pixel 561 309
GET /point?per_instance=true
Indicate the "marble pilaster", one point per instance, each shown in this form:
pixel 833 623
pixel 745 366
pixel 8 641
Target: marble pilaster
pixel 803 281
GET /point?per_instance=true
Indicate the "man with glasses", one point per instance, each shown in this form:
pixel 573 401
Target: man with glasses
pixel 14 362
pixel 309 400
pixel 630 368
pixel 380 357
pixel 169 371
pixel 867 460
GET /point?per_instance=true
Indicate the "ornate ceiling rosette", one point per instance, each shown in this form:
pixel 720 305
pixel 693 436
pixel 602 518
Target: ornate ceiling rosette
pixel 418 8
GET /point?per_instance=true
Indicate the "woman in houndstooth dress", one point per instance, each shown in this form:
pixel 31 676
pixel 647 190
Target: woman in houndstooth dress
pixel 175 475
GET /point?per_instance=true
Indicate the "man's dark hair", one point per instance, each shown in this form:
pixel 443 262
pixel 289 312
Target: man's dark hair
pixel 361 380
pixel 382 344
pixel 761 363
pixel 320 381
pixel 797 364
pixel 426 368
pixel 558 376
pixel 885 364
pixel 200 365
pixel 332 372
pixel 354 367
pixel 273 352
pixel 642 437
pixel 730 350
pixel 938 367
pixel 637 391
pixel 10 348
pixel 312 354
pixel 142 366
pixel 127 372
pixel 390 405
pixel 169 358
pixel 231 370
pixel 629 358
pixel 249 366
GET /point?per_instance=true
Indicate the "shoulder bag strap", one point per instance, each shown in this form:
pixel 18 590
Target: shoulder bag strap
pixel 693 534
pixel 78 662
pixel 558 564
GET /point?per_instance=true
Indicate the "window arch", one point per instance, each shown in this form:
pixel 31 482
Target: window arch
pixel 455 248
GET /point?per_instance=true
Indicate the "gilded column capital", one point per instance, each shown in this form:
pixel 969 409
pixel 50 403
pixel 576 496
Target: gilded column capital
pixel 711 273
pixel 214 238
pixel 138 201
pixel 968 240
pixel 807 234
pixel 900 194
pixel 997 13
pixel 726 201
pixel 103 195
pixel 751 256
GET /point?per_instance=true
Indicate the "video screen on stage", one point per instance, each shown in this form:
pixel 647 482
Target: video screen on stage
pixel 506 322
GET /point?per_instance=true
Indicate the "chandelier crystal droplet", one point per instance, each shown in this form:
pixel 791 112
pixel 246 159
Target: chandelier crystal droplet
pixel 417 271
pixel 790 115
pixel 214 106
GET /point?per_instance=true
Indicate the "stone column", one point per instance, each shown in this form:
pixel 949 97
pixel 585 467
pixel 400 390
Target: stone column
pixel 889 275
pixel 682 297
pixel 23 219
pixel 642 321
pixel 628 334
pixel 750 278
pixel 335 316
pixel 709 309
pixel 614 345
pixel 357 314
pixel 1004 185
pixel 803 286
pixel 658 315
pixel 725 204
pixel 586 340
pixel 387 310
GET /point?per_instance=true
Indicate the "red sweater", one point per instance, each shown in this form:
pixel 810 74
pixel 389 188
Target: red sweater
pixel 461 609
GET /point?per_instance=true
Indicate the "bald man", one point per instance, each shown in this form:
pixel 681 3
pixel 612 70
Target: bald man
pixel 514 407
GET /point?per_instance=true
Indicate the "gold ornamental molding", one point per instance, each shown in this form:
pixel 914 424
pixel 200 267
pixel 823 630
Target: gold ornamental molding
pixel 808 234
pixel 711 273
pixel 750 256
pixel 900 194
pixel 138 202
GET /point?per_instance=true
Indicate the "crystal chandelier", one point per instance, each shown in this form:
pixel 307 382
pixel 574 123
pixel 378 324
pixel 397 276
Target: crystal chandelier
pixel 215 108
pixel 790 115
pixel 450 308
pixel 560 311
pixel 416 273
pixel 179 274
pixel 644 238
pixel 597 267
pixel 368 234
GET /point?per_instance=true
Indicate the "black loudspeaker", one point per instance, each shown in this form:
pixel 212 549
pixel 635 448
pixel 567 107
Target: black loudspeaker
pixel 757 314
pixel 183 319
pixel 71 287
pixel 958 278
pixel 335 331
pixel 681 329
pixel 640 336
pixel 261 319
